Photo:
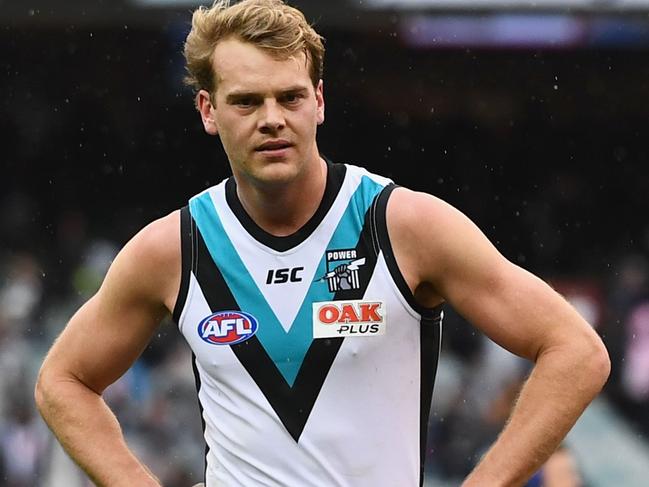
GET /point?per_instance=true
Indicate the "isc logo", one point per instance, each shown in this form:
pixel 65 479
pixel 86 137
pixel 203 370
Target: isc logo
pixel 348 318
pixel 280 276
pixel 227 327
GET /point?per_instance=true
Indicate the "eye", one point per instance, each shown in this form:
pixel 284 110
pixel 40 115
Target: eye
pixel 245 102
pixel 292 98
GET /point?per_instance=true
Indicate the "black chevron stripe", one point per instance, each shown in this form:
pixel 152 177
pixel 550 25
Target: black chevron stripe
pixel 430 329
pixel 292 405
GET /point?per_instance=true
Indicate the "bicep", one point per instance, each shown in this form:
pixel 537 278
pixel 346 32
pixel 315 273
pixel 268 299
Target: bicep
pixel 108 333
pixel 101 341
pixel 510 305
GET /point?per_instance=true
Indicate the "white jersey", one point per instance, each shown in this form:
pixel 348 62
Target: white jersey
pixel 314 364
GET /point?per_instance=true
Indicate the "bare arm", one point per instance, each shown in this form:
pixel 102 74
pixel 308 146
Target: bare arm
pixel 99 344
pixel 450 259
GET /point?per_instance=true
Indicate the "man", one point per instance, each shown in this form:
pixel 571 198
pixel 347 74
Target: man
pixel 309 293
pixel 560 470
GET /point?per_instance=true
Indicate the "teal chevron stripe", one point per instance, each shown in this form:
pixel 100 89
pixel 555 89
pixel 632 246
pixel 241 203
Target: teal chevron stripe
pixel 286 349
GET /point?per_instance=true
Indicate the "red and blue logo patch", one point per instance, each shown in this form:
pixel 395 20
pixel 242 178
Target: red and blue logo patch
pixel 227 327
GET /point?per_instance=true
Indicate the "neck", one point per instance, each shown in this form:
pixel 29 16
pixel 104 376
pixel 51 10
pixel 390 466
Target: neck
pixel 284 208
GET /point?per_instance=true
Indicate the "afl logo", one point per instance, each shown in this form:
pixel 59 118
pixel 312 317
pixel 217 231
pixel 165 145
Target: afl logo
pixel 227 327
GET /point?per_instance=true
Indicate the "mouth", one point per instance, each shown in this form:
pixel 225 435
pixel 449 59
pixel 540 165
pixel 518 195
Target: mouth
pixel 273 145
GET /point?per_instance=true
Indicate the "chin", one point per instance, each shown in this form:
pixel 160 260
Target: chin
pixel 276 172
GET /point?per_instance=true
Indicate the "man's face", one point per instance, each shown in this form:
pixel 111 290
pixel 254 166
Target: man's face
pixel 265 110
pixel 561 471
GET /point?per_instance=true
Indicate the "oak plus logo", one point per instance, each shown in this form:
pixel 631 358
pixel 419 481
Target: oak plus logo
pixel 342 270
pixel 348 318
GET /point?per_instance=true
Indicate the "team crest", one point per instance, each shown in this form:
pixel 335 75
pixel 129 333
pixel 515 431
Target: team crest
pixel 342 270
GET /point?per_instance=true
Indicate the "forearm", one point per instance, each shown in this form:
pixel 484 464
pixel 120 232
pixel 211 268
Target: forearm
pixel 558 390
pixel 90 433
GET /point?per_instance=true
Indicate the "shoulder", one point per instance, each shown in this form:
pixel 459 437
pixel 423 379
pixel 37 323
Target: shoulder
pixel 149 265
pixel 435 243
pixel 161 237
pixel 157 243
pixel 420 215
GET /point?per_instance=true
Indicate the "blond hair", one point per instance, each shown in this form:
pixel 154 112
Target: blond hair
pixel 270 25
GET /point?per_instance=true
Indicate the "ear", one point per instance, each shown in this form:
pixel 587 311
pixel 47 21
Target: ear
pixel 320 107
pixel 206 109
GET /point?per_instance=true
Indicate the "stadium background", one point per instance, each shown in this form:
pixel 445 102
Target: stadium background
pixel 531 120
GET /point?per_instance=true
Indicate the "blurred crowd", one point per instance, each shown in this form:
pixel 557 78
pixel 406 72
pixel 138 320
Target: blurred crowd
pixel 155 401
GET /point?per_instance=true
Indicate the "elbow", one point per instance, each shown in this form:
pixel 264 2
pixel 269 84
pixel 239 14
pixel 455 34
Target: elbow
pixel 596 364
pixel 603 363
pixel 56 390
pixel 45 391
pixel 582 360
pixel 40 392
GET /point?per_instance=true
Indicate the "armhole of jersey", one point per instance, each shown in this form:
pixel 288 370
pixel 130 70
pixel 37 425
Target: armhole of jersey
pixel 383 238
pixel 187 259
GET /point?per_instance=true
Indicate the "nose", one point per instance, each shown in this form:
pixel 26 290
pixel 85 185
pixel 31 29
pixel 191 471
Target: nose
pixel 271 117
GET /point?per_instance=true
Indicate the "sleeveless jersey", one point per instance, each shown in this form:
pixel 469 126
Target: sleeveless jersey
pixel 314 364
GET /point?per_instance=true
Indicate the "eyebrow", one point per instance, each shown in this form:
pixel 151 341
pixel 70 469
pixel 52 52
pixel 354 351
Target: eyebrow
pixel 237 95
pixel 294 89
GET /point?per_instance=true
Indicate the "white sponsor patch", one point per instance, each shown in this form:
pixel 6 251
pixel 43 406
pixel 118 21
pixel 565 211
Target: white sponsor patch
pixel 348 318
